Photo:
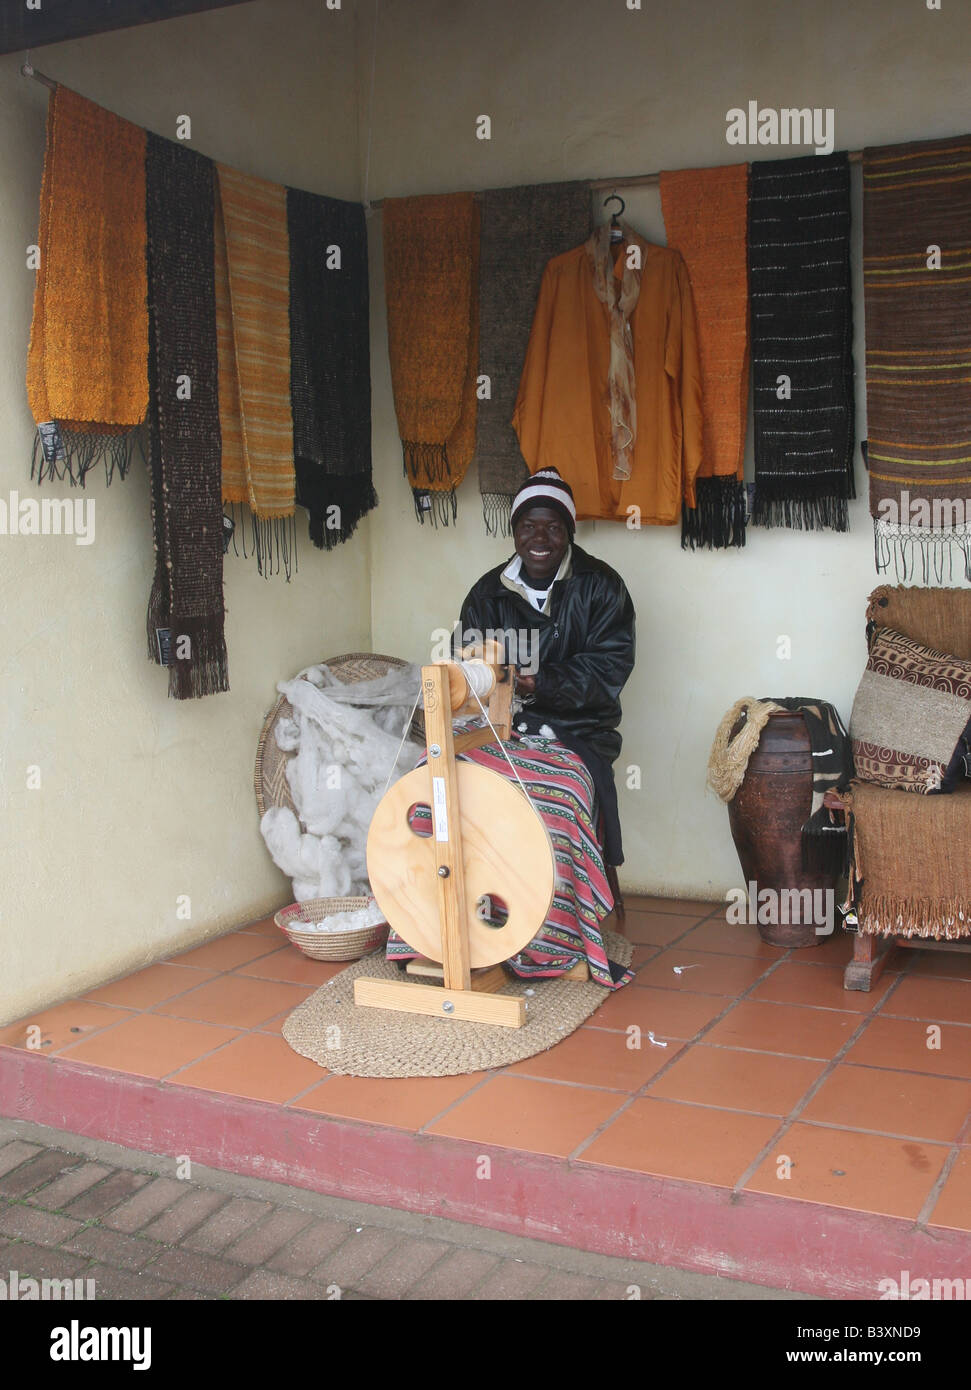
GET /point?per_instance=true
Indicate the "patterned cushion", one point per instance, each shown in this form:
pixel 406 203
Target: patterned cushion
pixel 910 711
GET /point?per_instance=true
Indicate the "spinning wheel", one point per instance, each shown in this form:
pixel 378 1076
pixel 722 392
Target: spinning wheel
pixel 487 842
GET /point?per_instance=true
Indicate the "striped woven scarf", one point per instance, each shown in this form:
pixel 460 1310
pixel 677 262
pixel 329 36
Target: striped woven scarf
pixel 330 364
pixel 802 341
pixel 522 229
pixel 87 383
pixel 917 297
pixel 252 265
pixel 431 268
pixel 184 454
pixel 705 216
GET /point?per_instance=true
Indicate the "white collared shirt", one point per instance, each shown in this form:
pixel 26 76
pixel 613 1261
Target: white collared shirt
pixel 539 598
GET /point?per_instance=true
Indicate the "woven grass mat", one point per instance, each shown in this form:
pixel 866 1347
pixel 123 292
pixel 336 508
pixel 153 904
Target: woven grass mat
pixel 330 1029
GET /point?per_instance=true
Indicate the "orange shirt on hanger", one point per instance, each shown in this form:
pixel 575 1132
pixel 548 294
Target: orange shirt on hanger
pixel 562 414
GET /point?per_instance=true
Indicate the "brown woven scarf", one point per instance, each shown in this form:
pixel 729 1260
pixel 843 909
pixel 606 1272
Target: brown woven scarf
pixel 431 249
pixel 87 383
pixel 917 297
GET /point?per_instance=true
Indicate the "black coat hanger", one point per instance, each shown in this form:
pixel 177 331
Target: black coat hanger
pixel 616 230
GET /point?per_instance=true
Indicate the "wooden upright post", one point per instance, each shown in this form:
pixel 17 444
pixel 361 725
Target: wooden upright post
pixel 444 802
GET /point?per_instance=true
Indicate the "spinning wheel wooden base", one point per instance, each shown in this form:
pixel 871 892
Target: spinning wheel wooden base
pixel 487 841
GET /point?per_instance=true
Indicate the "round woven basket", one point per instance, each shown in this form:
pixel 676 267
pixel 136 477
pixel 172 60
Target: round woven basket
pixel 270 773
pixel 349 945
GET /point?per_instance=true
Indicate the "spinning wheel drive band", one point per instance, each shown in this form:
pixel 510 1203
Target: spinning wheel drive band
pixel 507 854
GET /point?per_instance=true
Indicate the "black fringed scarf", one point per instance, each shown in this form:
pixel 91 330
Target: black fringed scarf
pixel 186 605
pixel 802 331
pixel 330 365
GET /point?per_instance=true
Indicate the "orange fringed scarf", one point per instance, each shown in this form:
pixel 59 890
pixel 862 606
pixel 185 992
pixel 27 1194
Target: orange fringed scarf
pixel 705 217
pixel 431 267
pixel 252 273
pixel 87 364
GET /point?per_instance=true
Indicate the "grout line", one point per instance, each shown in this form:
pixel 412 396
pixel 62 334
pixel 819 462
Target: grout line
pixel 496 1071
pixel 937 1187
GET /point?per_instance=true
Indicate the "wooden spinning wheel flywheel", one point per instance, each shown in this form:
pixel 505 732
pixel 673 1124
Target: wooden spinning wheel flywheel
pixel 487 843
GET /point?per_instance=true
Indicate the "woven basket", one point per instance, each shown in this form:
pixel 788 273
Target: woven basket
pixel 349 945
pixel 270 773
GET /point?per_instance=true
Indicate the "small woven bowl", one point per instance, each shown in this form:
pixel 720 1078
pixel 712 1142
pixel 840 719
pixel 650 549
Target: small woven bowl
pixel 349 945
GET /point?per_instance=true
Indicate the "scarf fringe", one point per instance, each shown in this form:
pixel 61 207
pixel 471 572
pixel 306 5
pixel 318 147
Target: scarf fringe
pixel 443 503
pixel 805 513
pixel 354 496
pixel 497 513
pixel 944 919
pixel 425 463
pixel 79 452
pixel 905 547
pixel 206 671
pixel 718 520
pixel 274 541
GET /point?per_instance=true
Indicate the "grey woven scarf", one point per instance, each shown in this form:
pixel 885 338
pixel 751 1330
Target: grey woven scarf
pixel 522 229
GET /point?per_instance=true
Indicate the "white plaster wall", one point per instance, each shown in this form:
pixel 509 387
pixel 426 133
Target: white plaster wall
pixel 144 798
pixel 588 88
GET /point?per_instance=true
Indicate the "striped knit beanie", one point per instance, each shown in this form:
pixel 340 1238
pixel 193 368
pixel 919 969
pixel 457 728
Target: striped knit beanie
pixel 546 489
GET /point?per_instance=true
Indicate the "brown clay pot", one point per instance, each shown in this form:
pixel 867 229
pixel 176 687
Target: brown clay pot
pixel 766 816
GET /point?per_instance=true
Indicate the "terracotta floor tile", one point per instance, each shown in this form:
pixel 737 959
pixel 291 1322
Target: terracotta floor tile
pixel 934 999
pixel 150 1045
pixel 515 1112
pixel 902 1045
pixel 687 907
pixel 238 1001
pixel 828 950
pixel 642 954
pixel 690 1142
pixel 292 967
pixel 953 1207
pixel 266 927
pixel 405 1103
pixel 784 1028
pixel 258 1066
pixel 753 1081
pixel 61 1025
pixel 865 1172
pixel 894 1102
pixel 275 1024
pixel 656 928
pixel 708 972
pixel 727 938
pixel 225 953
pixel 820 986
pixel 149 986
pixel 949 965
pixel 668 1013
pixel 591 1057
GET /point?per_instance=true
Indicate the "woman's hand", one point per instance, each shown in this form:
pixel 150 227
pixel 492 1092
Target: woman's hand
pixel 525 685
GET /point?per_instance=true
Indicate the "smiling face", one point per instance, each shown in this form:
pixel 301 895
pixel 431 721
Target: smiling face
pixel 541 538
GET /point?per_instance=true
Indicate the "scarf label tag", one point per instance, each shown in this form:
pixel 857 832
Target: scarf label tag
pixel 229 526
pixel 163 638
pixel 424 500
pixel 51 442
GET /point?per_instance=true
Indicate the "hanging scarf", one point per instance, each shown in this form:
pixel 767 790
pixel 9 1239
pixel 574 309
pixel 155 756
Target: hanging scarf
pixel 252 265
pixel 86 379
pixel 522 229
pixel 802 341
pixel 917 297
pixel 619 294
pixel 431 250
pixel 824 844
pixel 705 215
pixel 330 365
pixel 184 454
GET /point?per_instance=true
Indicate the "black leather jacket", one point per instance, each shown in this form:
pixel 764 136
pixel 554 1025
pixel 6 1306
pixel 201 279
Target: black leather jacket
pixel 584 645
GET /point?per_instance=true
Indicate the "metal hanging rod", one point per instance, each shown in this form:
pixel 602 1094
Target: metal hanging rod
pixel 627 181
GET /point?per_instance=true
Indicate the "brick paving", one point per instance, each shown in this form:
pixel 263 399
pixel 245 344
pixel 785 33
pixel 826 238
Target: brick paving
pixel 73 1208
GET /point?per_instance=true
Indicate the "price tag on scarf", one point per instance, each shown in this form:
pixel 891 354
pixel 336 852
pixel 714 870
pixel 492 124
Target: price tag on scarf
pixel 163 638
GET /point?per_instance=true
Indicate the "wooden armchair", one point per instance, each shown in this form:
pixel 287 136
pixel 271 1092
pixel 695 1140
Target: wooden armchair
pixel 910 876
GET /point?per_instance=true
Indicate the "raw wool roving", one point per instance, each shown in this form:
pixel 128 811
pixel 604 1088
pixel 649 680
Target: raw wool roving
pixel 87 382
pixel 343 756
